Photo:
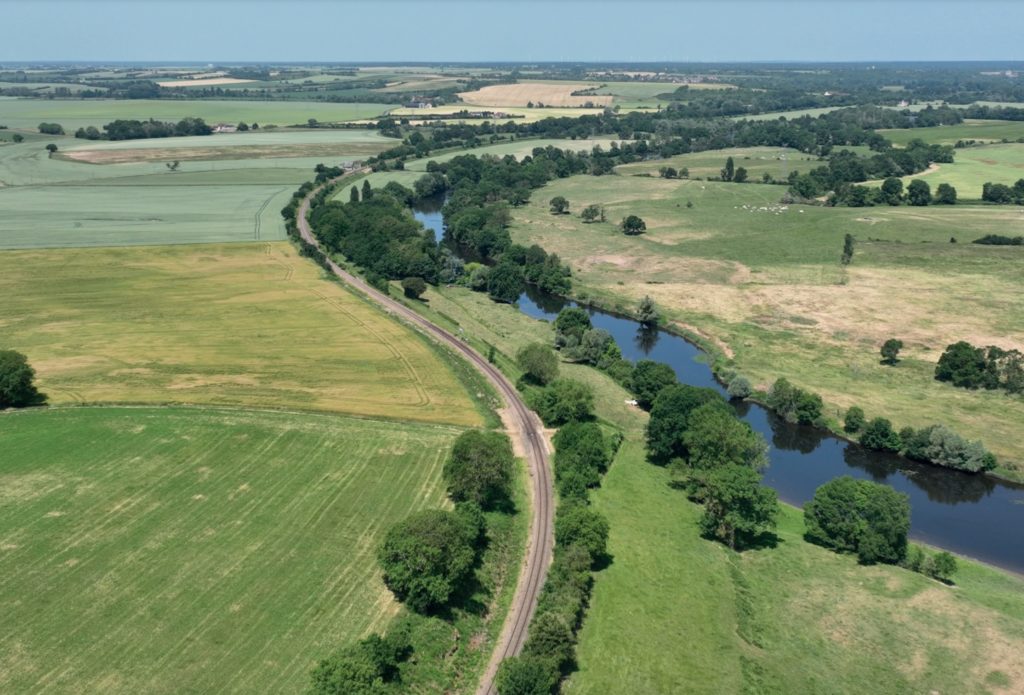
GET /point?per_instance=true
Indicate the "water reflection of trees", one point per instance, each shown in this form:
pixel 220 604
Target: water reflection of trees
pixel 940 485
pixel 646 338
pixel 790 437
pixel 548 303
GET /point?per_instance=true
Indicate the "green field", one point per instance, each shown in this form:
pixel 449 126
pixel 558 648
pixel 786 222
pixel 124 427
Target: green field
pixel 775 161
pixel 974 167
pixel 235 324
pixel 227 187
pixel 73 114
pixel 676 613
pixel 970 129
pixel 765 285
pixel 170 550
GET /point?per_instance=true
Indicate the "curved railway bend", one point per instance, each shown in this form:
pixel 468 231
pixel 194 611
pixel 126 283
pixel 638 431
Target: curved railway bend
pixel 534 569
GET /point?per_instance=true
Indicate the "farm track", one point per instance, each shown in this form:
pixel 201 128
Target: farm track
pixel 534 569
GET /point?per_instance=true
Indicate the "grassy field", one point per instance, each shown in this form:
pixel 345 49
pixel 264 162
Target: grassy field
pixel 775 161
pixel 72 114
pixel 767 283
pixel 226 187
pixel 238 324
pixel 170 550
pixel 676 613
pixel 970 129
pixel 521 113
pixel 975 166
pixel 557 94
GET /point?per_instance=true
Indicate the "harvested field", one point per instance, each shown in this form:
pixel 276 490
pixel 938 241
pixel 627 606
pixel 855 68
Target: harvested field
pixel 547 93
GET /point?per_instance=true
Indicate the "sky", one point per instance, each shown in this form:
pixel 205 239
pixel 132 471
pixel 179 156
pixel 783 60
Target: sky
pixel 500 30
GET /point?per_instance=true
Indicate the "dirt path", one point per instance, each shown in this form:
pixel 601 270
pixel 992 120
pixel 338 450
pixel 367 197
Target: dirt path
pixel 530 440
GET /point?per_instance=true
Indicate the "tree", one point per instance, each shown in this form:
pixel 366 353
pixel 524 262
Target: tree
pixel 965 366
pixel 51 148
pixel 480 468
pixel 740 176
pixel 668 172
pixel 551 637
pixel 941 566
pixel 945 194
pixel 854 420
pixel 859 516
pixel 632 225
pixel 505 282
pixel 890 351
pixel 17 387
pixel 647 312
pixel 919 193
pixel 570 325
pixel 684 173
pixel 648 379
pixel 353 195
pixel 879 435
pixel 847 256
pixel 593 346
pixel 242 127
pixel 578 524
pixel 367 190
pixel 364 667
pixel 51 129
pixel 539 362
pixel 737 508
pixel 413 287
pixel 794 404
pixel 590 213
pixel 562 401
pixel 670 416
pixel 173 166
pixel 426 558
pixel 715 437
pixel 892 191
pixel 527 674
pixel 728 170
pixel 559 205
pixel 17 137
pixel 739 387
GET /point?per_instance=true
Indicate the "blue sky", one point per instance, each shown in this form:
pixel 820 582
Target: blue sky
pixel 497 30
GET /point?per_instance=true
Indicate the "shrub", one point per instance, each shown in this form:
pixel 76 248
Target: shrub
pixel 539 362
pixel 562 401
pixel 860 516
pixel 941 566
pixel 414 287
pixel 578 524
pixel 364 667
pixel 879 435
pixel 854 419
pixel 794 404
pixel 944 447
pixel 739 387
pixel 480 468
pixel 527 675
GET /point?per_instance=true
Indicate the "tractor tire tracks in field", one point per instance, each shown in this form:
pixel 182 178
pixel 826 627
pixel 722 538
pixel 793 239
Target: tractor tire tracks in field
pixel 527 427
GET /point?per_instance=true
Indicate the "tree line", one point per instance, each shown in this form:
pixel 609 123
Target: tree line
pixel 123 129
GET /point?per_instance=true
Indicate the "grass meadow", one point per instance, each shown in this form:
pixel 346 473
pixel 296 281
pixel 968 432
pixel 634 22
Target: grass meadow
pixel 676 613
pixel 970 129
pixel 234 324
pixel 73 114
pixel 766 285
pixel 777 162
pixel 169 550
pixel 975 166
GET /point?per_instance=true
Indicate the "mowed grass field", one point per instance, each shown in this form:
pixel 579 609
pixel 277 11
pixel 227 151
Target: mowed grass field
pixel 766 285
pixel 970 129
pixel 226 187
pixel 169 550
pixel 973 167
pixel 234 324
pixel 676 613
pixel 74 114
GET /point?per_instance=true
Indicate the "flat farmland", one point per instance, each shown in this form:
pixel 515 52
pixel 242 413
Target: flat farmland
pixel 169 550
pixel 234 324
pixel 776 161
pixel 765 283
pixel 521 114
pixel 970 129
pixel 29 113
pixel 974 167
pixel 522 93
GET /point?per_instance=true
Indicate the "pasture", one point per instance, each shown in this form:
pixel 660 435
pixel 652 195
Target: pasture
pixel 29 113
pixel 974 167
pixel 970 129
pixel 774 161
pixel 674 612
pixel 767 282
pixel 169 550
pixel 557 94
pixel 235 324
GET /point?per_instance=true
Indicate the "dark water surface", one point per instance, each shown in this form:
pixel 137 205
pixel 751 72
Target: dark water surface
pixel 973 515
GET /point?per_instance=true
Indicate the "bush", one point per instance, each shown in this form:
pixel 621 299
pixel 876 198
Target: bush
pixel 539 362
pixel 17 381
pixel 944 447
pixel 860 516
pixel 648 379
pixel 941 566
pixel 552 638
pixel 854 419
pixel 413 287
pixel 879 435
pixel 795 404
pixel 427 558
pixel 480 468
pixel 562 401
pixel 578 524
pixel 363 668
pixel 527 675
pixel 739 387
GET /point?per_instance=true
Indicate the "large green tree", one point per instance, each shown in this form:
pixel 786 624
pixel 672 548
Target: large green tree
pixel 578 524
pixel 538 362
pixel 919 193
pixel 715 437
pixel 480 468
pixel 632 225
pixel 879 434
pixel 648 379
pixel 562 401
pixel 505 282
pixel 737 508
pixel 527 675
pixel 891 350
pixel 427 558
pixel 670 415
pixel 17 381
pixel 860 516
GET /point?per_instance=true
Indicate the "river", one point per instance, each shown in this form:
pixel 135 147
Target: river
pixel 973 515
